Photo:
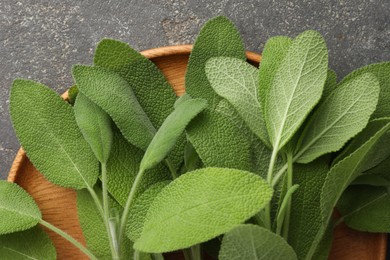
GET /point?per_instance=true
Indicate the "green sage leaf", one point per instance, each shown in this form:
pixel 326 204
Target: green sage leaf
pixel 330 84
pixel 197 203
pixel 254 242
pixel 18 210
pixel 47 130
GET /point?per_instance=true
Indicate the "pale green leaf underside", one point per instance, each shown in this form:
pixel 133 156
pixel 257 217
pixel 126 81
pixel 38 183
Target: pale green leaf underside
pixel 237 82
pixel 33 244
pixel 343 114
pixel 47 130
pixel 254 243
pixel 297 87
pixel 18 210
pixel 95 125
pixel 170 131
pixel 201 205
pixel 114 95
pixel 366 208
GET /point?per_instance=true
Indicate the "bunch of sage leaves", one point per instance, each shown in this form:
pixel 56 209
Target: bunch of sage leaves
pixel 248 164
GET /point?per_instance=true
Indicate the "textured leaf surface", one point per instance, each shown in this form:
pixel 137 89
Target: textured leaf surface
pixel 237 82
pixel 382 72
pixel 139 210
pixel 366 208
pixel 215 138
pixel 275 50
pixel 122 168
pixel 254 242
pixel 340 117
pixel 47 130
pixel 297 87
pixel 18 210
pixel 149 85
pixel 201 205
pixel 95 125
pixel 114 95
pixel 330 84
pixel 33 244
pixel 170 131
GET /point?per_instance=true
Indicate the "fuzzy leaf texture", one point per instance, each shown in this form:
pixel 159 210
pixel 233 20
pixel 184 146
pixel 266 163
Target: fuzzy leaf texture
pixel 193 208
pixel 339 118
pixel 95 125
pixel 47 130
pixel 18 210
pixel 366 208
pixel 149 85
pixel 114 95
pixel 237 82
pixel 170 131
pixel 297 87
pixel 254 242
pixel 215 138
pixel 33 244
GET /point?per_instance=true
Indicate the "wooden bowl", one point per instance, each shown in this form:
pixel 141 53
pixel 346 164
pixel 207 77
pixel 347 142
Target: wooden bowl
pixel 58 205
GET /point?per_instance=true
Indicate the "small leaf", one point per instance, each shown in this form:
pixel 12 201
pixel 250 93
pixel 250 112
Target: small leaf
pixel 169 132
pixel 139 210
pixel 18 210
pixel 194 208
pixel 29 244
pixel 254 242
pixel 72 94
pixel 47 130
pixel 366 208
pixel 95 125
pixel 297 87
pixel 340 117
pixel 122 105
pixel 237 82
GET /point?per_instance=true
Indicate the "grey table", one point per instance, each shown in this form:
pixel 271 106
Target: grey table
pixel 40 40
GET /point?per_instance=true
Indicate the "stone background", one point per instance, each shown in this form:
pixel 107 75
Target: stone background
pixel 40 40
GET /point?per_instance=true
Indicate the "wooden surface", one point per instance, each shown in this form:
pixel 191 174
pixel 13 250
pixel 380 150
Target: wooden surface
pixel 58 204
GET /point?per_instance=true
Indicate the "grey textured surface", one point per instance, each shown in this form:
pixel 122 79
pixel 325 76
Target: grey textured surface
pixel 40 40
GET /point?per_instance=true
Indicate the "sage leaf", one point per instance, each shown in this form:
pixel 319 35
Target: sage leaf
pixel 95 125
pixel 212 132
pixel 330 84
pixel 373 179
pixel 254 242
pixel 297 87
pixel 18 210
pixel 97 83
pixel 366 208
pixel 139 210
pixel 274 51
pixel 382 72
pixel 72 94
pixel 122 168
pixel 197 203
pixel 339 118
pixel 46 128
pixel 170 131
pixel 237 82
pixel 32 244
pixel 149 85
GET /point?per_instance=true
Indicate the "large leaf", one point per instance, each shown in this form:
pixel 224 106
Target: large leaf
pixel 149 85
pixel 366 208
pixel 340 117
pixel 47 130
pixel 33 244
pixel 18 210
pixel 237 82
pixel 201 205
pixel 170 131
pixel 215 138
pixel 297 87
pixel 114 95
pixel 254 242
pixel 95 124
pixel 382 72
